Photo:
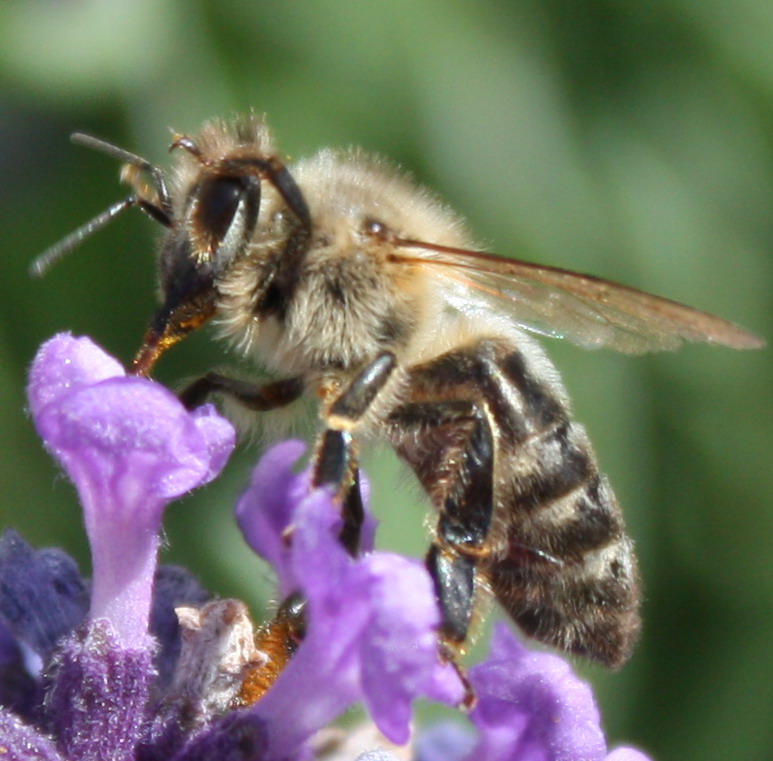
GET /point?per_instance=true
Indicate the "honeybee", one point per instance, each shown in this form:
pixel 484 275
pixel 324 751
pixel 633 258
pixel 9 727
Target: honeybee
pixel 351 284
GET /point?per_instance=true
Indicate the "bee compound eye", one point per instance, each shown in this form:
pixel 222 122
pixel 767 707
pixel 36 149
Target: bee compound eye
pixel 224 216
pixel 218 202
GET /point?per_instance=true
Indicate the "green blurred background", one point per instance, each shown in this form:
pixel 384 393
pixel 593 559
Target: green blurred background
pixel 630 140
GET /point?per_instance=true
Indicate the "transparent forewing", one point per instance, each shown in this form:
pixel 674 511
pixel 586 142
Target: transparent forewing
pixel 586 310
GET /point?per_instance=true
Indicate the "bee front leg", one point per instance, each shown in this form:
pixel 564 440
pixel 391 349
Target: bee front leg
pixel 335 463
pixel 261 398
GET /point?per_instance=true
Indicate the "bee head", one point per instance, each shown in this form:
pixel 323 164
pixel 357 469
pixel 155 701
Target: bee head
pixel 210 232
pixel 209 222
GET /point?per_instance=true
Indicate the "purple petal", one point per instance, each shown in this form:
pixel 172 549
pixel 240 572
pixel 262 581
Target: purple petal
pixel 627 754
pixel 20 742
pixel 372 624
pixel 98 695
pixel 385 605
pixel 64 364
pixel 266 508
pixel 321 680
pixel 129 446
pixel 218 435
pixel 399 649
pixel 531 707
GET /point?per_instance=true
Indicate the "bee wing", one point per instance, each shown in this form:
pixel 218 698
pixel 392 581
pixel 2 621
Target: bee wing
pixel 584 309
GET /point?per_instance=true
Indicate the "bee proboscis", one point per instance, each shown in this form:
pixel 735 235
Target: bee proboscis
pixel 349 283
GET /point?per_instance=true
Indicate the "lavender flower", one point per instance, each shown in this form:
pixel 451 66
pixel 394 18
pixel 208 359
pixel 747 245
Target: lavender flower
pixel 532 707
pixel 372 621
pixel 372 636
pixel 130 447
pixel 104 673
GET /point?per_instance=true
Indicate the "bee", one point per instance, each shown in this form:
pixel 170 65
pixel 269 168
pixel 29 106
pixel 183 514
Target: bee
pixel 352 285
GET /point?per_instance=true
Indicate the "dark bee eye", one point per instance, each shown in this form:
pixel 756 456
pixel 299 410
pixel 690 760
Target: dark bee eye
pixel 217 203
pixel 224 216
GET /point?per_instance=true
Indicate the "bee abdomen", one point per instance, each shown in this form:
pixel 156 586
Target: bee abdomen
pixel 589 608
pixel 565 569
pixel 556 555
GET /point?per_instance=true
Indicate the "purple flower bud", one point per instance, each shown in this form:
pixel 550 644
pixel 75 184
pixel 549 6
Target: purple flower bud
pixel 532 707
pixel 130 447
pixel 98 691
pixel 42 596
pixel 17 684
pixel 21 742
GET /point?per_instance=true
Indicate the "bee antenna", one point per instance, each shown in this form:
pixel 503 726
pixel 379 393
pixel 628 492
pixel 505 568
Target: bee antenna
pixel 50 256
pixel 159 209
pixel 127 157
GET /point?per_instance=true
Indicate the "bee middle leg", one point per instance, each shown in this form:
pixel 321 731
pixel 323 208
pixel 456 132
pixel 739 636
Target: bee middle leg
pixel 335 463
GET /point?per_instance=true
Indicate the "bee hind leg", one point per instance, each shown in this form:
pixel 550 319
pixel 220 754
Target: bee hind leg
pixel 455 461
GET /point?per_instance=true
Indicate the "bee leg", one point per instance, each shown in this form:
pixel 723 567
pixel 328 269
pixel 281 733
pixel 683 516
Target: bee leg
pixel 259 398
pixel 335 463
pixel 336 466
pixel 278 639
pixel 464 498
pixel 353 513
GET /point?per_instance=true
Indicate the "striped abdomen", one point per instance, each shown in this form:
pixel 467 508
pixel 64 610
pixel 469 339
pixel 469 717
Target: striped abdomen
pixel 561 563
pixel 522 506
